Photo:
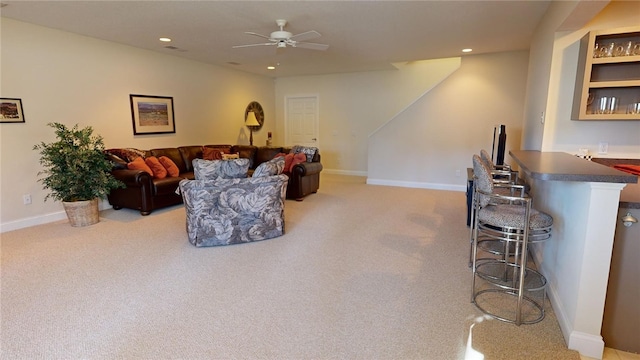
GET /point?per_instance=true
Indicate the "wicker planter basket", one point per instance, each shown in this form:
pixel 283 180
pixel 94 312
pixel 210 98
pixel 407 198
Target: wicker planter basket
pixel 82 213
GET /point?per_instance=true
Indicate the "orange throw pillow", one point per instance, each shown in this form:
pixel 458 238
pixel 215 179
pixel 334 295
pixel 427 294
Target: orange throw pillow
pixel 158 170
pixel 170 166
pixel 139 164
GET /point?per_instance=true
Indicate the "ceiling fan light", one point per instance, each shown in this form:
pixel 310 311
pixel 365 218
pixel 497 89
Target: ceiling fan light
pixel 282 44
pixel 280 35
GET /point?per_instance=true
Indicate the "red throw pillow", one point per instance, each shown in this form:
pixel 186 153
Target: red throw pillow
pixel 296 159
pixel 288 158
pixel 139 164
pixel 170 166
pixel 211 154
pixel 158 170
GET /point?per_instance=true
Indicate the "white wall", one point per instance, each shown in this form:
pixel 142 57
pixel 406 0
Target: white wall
pixel 63 77
pixel 541 52
pixel 354 105
pixel 436 137
pixel 560 133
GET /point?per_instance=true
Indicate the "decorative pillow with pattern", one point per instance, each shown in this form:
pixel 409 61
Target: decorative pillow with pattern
pixel 270 168
pixel 220 169
pixel 128 154
pixel 230 156
pixel 308 151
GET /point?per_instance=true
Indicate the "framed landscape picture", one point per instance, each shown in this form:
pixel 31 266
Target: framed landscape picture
pixel 11 111
pixel 152 114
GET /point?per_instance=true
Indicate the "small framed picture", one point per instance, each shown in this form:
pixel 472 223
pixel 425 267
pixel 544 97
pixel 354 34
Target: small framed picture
pixel 11 111
pixel 152 114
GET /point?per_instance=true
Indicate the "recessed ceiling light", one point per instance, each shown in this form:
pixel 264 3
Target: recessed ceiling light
pixel 165 39
pixel 271 67
pixel 467 50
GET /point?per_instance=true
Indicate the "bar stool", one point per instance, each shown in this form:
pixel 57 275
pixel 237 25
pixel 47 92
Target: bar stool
pixel 510 221
pixel 504 183
pixel 500 173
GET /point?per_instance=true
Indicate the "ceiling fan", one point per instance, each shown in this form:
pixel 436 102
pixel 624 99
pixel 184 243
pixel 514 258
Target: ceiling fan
pixel 282 38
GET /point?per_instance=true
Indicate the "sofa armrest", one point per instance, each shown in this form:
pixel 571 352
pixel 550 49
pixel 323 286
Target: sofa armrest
pixel 132 178
pixel 306 168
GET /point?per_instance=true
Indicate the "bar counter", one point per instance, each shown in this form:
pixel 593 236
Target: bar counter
pixel 583 198
pixel 561 166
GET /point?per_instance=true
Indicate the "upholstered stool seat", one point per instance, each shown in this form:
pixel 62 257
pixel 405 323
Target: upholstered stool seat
pixel 512 216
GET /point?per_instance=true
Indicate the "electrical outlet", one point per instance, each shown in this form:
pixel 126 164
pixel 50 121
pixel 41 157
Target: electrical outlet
pixel 457 172
pixel 26 199
pixel 603 148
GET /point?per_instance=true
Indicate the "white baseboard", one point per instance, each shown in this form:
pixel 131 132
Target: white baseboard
pixel 32 221
pixel 586 344
pixel 419 185
pixel 408 184
pixel 345 172
pixel 43 219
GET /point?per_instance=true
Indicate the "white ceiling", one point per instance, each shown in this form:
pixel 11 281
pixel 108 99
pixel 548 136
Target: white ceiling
pixel 363 35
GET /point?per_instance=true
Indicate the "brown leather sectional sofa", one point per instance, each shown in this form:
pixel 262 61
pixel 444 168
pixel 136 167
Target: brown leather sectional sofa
pixel 146 193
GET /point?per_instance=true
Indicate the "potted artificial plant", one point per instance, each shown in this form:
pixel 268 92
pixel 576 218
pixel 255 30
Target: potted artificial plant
pixel 76 172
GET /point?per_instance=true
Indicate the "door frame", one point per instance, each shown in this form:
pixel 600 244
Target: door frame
pixel 287 137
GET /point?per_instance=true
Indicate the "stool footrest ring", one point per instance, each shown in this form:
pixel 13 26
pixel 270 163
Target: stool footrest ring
pixel 531 311
pixel 506 275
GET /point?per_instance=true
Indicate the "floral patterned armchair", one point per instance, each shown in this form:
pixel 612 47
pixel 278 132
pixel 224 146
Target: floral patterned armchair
pixel 233 211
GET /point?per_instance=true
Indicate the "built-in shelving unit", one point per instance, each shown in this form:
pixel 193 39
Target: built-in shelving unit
pixel 607 75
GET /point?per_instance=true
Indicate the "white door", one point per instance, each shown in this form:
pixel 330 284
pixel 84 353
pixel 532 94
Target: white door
pixel 301 120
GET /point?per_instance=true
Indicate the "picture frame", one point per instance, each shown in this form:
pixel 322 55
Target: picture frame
pixel 152 114
pixel 11 110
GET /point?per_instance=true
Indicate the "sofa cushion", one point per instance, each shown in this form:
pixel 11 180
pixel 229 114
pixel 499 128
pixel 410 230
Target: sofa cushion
pixel 188 154
pixel 265 153
pixel 220 169
pixel 247 152
pixel 225 149
pixel 173 154
pixel 139 164
pixel 270 168
pixel 165 186
pixel 170 166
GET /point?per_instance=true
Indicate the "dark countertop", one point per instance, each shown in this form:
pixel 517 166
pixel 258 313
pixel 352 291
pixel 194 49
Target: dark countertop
pixel 560 166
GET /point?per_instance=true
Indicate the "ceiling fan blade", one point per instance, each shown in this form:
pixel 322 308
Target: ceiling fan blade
pixel 256 34
pixel 250 45
pixel 307 35
pixel 311 46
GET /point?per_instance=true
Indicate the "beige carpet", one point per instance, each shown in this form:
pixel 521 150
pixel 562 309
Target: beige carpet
pixel 363 272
